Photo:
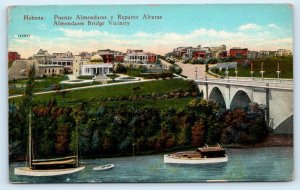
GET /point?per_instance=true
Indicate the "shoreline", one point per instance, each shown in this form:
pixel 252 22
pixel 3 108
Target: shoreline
pixel 272 140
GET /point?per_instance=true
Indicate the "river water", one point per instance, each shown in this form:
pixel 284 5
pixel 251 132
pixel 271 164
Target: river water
pixel 254 164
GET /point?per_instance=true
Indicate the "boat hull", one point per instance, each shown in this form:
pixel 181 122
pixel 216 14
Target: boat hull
pixel 175 160
pixel 49 172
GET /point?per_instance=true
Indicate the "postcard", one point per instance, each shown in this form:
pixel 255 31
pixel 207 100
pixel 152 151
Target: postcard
pixel 150 93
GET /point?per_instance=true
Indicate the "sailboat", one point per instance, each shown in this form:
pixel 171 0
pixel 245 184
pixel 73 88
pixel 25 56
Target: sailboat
pixel 49 167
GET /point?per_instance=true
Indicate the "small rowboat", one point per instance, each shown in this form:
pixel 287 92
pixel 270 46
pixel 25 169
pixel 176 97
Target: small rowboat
pixel 104 167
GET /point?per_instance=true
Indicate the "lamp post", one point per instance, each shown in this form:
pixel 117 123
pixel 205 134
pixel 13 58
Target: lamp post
pixel 278 71
pixel 262 71
pixel 251 72
pixel 196 72
pixel 236 72
pixel 226 72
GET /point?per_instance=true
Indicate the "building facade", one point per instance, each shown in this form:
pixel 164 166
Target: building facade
pixel 253 54
pixel 76 65
pixel 107 55
pixel 218 51
pixel 199 53
pixel 42 57
pixel 51 70
pixel 283 53
pixel 238 52
pixel 140 57
pixel 63 59
pixel 62 55
pixel 13 55
pixel 95 66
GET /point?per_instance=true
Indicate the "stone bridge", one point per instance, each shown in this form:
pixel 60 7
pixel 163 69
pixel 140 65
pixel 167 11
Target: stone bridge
pixel 275 94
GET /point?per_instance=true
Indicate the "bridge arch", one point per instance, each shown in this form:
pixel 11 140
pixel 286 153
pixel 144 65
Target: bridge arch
pixel 240 100
pixel 217 96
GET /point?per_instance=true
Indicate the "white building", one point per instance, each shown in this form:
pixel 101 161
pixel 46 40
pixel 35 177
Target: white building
pixel 66 62
pixel 95 66
pixel 136 56
pixel 63 55
pixel 140 57
pixel 283 53
pixel 50 70
pixel 42 57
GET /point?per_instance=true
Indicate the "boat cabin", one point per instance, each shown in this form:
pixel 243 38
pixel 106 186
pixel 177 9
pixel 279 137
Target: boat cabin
pixel 211 152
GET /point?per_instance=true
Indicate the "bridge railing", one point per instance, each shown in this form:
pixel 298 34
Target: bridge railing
pixel 255 82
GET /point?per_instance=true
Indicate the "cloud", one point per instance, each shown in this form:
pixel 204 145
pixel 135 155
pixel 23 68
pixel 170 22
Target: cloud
pixel 77 40
pixel 249 26
pixel 274 26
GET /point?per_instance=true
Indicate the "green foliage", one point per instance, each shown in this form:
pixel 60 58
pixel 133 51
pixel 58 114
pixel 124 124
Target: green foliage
pixel 27 98
pixel 131 71
pixel 85 77
pixel 175 69
pixel 197 61
pixel 243 126
pixel 163 75
pixel 213 61
pixel 116 127
pixel 198 132
pixel 43 84
pixel 112 76
pixel 120 68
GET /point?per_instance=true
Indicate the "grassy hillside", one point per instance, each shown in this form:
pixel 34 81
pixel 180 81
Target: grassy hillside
pixel 121 94
pixel 270 67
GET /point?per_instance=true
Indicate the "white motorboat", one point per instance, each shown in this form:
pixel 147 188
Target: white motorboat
pixel 104 167
pixel 204 155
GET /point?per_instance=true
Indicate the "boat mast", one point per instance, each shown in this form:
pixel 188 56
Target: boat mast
pixel 29 141
pixel 77 148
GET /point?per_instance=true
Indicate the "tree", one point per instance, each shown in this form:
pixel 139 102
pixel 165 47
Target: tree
pixel 27 98
pixel 120 68
pixel 198 132
pixel 64 129
pixel 20 119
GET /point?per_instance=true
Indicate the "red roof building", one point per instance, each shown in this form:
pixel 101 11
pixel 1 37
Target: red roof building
pixel 238 52
pixel 152 58
pixel 199 54
pixel 12 56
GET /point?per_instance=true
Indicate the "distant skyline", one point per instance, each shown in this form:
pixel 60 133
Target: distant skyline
pixel 253 26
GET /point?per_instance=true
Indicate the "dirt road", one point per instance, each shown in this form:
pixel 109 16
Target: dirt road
pixel 189 70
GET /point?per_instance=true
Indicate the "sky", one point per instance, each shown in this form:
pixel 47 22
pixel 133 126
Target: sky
pixel 253 26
